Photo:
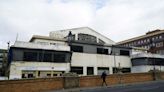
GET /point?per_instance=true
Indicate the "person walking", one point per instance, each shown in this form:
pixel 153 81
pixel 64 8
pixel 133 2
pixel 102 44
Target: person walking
pixel 103 76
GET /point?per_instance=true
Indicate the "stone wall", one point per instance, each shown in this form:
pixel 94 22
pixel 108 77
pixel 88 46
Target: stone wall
pixel 31 85
pixel 45 84
pixel 90 81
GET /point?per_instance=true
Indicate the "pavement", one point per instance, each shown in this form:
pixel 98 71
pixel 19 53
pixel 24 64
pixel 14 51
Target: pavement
pixel 151 86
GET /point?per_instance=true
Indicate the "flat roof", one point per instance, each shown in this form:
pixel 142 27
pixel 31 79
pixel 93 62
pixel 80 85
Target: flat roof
pixel 149 34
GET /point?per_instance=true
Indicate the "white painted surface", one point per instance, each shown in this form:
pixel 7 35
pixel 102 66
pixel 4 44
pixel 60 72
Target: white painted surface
pixel 50 42
pixel 17 67
pixel 147 55
pixel 41 46
pixel 99 60
pixel 146 68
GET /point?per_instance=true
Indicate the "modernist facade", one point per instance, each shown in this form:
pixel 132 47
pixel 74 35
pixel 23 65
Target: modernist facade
pixel 153 41
pixel 79 50
pixel 147 62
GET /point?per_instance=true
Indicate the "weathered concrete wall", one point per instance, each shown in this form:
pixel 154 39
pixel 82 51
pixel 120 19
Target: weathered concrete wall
pixel 45 84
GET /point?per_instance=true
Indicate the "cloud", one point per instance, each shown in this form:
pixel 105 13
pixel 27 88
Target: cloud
pixel 123 19
pixel 116 19
pixel 29 17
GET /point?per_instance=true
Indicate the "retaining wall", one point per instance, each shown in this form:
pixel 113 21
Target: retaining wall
pixel 45 84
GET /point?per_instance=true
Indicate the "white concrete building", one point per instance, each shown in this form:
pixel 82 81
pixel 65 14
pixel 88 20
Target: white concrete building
pixel 80 50
pixel 146 62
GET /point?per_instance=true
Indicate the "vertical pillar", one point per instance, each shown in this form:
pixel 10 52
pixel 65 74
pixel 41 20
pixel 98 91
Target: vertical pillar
pixel 111 70
pixel 51 73
pixel 95 70
pixel 68 68
pixel 36 74
pixel 76 36
pixel 84 70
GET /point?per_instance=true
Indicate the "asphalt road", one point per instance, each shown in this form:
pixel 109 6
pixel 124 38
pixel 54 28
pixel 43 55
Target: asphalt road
pixel 145 87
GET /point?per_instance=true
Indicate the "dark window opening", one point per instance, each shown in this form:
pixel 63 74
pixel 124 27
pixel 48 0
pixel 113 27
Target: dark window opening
pixel 102 51
pixel 87 38
pixel 47 57
pixel 77 70
pixel 139 61
pixel 90 70
pixel 102 69
pixel 30 76
pixel 48 75
pixel 59 57
pixel 77 48
pixel 55 74
pixel 41 55
pixel 124 52
pixel 126 70
pixel 30 56
pixel 38 73
pixel 147 61
pixel 23 76
pixel 121 70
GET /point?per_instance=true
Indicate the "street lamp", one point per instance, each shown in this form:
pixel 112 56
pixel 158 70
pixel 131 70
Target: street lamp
pixel 69 39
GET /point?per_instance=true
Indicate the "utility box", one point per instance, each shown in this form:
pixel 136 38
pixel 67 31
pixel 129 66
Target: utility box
pixel 71 80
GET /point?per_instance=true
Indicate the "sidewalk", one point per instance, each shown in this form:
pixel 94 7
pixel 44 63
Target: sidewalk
pixel 101 87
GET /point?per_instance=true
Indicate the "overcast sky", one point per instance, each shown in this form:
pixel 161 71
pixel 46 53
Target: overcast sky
pixel 116 19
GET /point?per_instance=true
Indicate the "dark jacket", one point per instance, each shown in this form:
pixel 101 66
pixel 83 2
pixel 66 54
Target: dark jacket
pixel 103 75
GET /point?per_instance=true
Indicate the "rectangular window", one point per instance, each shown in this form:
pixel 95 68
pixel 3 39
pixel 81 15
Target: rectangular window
pixel 122 70
pixel 55 74
pixel 90 70
pixel 41 57
pixel 77 70
pixel 47 57
pixel 100 70
pixel 28 74
pixel 125 70
pixel 87 38
pixel 48 75
pixel 76 48
pixel 124 52
pixel 30 56
pixel 59 57
pixel 102 51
